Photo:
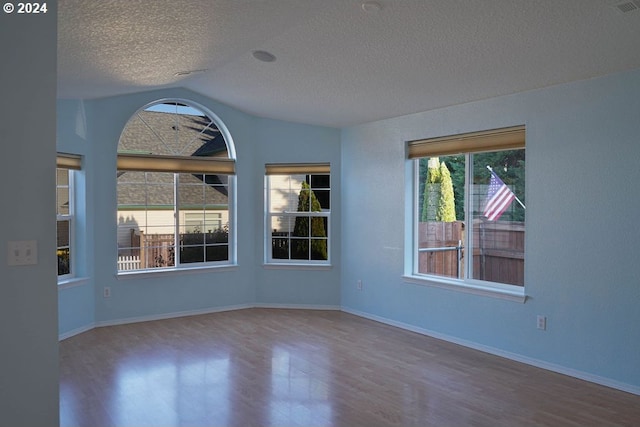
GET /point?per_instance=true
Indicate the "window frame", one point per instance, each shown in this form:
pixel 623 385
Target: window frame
pixel 289 170
pixel 472 143
pixel 177 165
pixel 69 163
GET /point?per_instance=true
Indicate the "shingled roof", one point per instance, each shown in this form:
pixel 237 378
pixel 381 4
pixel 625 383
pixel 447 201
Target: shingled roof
pixel 153 132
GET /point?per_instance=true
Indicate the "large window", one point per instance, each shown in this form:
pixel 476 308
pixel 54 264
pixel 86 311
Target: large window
pixel 469 209
pixel 65 214
pixel 298 209
pixel 175 189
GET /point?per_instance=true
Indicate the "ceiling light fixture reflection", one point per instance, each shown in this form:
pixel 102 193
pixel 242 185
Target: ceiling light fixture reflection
pixel 263 56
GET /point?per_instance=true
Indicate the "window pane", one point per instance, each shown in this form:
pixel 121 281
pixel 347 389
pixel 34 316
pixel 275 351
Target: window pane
pixel 283 200
pixel 63 233
pixel 160 196
pixel 440 226
pixel 63 229
pixel 217 235
pixel 131 177
pixel 191 191
pixel 303 204
pixel 132 194
pixel 301 226
pixel 172 129
pixel 300 249
pixel 190 254
pixel 62 200
pixel 216 220
pixel 219 183
pixel 319 249
pixel 281 225
pixel 146 224
pixel 157 251
pixel 319 226
pixel 498 218
pixel 62 177
pixel 217 253
pixel 191 237
pixel 280 248
pixel 320 181
pixel 64 264
pixel 324 200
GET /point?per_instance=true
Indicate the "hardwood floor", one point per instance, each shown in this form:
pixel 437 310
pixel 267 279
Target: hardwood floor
pixel 264 367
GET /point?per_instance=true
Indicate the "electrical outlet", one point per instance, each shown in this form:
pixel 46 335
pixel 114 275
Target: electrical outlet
pixel 542 322
pixel 359 285
pixel 106 292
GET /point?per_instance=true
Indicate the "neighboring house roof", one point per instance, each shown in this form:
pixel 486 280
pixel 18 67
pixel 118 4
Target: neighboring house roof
pixel 151 132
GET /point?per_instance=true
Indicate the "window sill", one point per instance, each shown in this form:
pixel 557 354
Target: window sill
pixel 137 274
pixel 296 266
pixel 515 295
pixel 72 282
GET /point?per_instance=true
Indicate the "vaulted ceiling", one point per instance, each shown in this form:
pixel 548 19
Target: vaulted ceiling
pixel 341 62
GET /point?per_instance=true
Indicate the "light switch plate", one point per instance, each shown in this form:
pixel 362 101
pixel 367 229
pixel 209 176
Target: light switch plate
pixel 22 252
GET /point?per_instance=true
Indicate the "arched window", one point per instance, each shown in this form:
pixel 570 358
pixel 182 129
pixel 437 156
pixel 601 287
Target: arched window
pixel 176 166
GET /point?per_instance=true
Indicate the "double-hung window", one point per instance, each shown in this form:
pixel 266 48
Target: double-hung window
pixel 298 213
pixel 175 183
pixel 469 209
pixel 66 163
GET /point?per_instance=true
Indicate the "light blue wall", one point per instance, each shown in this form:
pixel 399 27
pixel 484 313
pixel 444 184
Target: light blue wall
pixel 583 148
pixel 28 309
pixel 280 142
pixel 257 141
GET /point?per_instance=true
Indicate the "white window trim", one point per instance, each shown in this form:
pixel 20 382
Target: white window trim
pixel 269 261
pixel 477 287
pixel 295 266
pixel 65 278
pixel 72 282
pixel 468 286
pixel 163 272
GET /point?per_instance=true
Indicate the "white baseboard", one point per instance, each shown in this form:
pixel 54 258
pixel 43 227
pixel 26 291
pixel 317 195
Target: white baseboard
pixel 171 315
pixel 298 306
pixel 76 331
pixel 501 353
pixel 175 314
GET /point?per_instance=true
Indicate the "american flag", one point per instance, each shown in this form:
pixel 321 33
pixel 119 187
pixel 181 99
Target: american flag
pixel 499 197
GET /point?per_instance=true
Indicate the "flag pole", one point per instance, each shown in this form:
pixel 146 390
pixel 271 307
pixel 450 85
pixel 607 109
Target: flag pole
pixel 514 194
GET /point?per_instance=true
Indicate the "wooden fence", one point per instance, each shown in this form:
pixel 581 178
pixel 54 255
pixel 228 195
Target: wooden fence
pixel 148 251
pixel 441 248
pixel 498 250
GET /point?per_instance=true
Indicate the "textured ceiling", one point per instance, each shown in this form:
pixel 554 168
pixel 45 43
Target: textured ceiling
pixel 338 65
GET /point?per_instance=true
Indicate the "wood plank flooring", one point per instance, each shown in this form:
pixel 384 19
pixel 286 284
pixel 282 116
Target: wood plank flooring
pixel 268 367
